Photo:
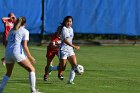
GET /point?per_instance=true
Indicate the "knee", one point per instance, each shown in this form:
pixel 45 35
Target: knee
pixel 31 69
pixel 63 68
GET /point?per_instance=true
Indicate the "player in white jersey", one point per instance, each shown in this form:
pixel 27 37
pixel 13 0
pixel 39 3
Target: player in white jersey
pixel 16 46
pixel 66 48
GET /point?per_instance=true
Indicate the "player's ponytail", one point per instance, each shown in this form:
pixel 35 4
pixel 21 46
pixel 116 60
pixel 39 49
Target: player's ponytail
pixel 59 30
pixel 19 22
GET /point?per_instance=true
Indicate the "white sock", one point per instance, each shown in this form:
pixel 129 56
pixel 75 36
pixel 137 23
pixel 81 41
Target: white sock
pixel 3 83
pixel 72 75
pixel 32 79
pixel 54 68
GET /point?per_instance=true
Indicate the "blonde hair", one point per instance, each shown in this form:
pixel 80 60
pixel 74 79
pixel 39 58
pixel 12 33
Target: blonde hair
pixel 19 22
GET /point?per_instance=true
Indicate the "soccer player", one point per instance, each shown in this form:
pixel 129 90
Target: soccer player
pixel 66 48
pixel 16 46
pixel 52 50
pixel 8 25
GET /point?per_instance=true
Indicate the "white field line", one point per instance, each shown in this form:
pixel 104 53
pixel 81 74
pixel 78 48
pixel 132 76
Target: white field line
pixel 95 78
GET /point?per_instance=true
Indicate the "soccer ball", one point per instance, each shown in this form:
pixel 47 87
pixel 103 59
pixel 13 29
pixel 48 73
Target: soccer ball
pixel 79 69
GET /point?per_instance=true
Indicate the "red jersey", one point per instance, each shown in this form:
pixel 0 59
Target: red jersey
pixel 8 25
pixel 51 51
pixel 54 40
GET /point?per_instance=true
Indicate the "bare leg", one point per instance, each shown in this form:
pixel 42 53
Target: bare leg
pixel 5 79
pixel 62 64
pixel 73 62
pixel 9 68
pixel 29 67
pixel 49 62
pixel 61 67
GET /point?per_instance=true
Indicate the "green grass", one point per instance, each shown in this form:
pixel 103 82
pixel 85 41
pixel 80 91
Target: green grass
pixel 107 70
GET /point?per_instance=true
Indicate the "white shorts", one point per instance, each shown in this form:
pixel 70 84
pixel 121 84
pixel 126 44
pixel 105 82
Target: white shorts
pixel 12 57
pixel 65 54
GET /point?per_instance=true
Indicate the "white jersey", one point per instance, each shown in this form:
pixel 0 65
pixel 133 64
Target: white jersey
pixel 14 46
pixel 67 33
pixel 66 50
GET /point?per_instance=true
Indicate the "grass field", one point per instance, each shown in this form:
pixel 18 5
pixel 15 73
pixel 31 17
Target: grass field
pixel 108 69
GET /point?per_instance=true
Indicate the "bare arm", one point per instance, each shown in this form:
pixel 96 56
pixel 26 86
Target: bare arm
pixel 72 45
pixel 26 49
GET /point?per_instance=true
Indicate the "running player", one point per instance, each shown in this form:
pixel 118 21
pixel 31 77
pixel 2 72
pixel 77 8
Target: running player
pixel 66 48
pixel 16 46
pixel 8 25
pixel 52 50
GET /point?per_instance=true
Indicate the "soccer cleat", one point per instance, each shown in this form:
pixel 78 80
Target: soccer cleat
pixel 60 76
pixel 36 91
pixel 70 82
pixel 3 61
pixel 45 77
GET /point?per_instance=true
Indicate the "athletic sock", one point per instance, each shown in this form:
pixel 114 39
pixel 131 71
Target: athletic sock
pixel 54 68
pixel 3 83
pixel 59 72
pixel 32 79
pixel 72 75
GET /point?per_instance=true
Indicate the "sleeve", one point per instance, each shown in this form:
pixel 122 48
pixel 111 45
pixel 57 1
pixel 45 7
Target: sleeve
pixel 4 20
pixel 65 33
pixel 26 35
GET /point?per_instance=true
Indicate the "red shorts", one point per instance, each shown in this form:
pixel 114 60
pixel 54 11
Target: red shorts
pixel 51 53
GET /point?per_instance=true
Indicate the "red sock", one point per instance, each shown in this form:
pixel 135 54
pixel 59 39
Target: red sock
pixel 59 71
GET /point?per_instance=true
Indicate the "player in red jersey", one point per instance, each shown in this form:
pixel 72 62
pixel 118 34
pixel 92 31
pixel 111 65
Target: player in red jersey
pixel 8 25
pixel 52 50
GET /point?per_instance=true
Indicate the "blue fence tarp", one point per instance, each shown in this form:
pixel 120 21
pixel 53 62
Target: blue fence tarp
pixel 31 9
pixel 90 16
